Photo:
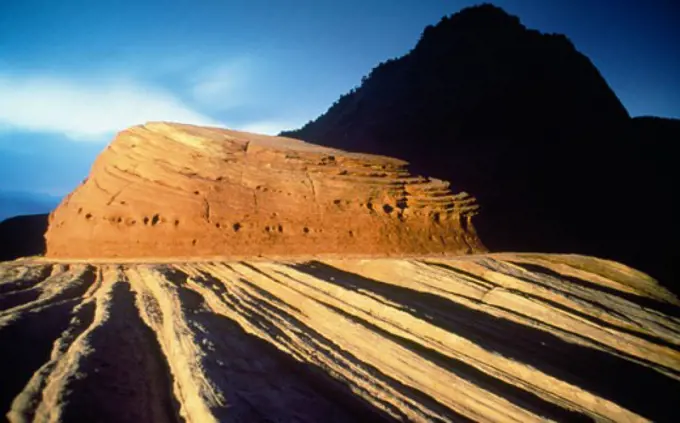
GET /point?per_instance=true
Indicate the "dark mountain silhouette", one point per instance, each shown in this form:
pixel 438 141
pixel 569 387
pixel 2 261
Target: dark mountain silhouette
pixel 526 123
pixel 22 236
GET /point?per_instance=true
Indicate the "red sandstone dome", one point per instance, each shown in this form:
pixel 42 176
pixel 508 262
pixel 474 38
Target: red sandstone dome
pixel 169 190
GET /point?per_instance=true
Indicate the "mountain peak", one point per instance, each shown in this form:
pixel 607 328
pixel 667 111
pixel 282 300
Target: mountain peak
pixel 484 16
pixel 483 22
pixel 520 118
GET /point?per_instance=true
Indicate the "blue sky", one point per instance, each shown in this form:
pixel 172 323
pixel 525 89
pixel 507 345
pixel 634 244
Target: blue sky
pixel 72 73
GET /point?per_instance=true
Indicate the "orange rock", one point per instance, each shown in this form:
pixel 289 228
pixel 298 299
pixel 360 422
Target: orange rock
pixel 164 189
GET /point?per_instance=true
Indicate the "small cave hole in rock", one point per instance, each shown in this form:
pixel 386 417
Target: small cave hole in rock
pixel 217 225
pixel 387 208
pixel 193 242
pixel 267 228
pixel 369 206
pixel 123 203
pixel 280 228
pixel 120 219
pixel 146 220
pixel 88 216
pixel 155 219
pixel 351 234
pixel 337 202
pixel 176 222
pixel 305 230
pixel 196 192
pixel 80 210
pixel 237 226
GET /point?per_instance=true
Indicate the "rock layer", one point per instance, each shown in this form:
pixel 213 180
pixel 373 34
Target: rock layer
pixel 502 337
pixel 179 190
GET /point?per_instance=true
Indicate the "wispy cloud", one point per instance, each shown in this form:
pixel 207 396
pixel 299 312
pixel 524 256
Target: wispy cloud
pixel 226 85
pixel 87 109
pixel 242 87
pixel 267 127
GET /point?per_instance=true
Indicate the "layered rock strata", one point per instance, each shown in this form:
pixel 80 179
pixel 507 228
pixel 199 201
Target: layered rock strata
pixel 179 190
pixel 489 338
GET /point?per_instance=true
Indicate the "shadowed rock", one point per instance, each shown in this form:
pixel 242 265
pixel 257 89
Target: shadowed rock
pixel 22 236
pixel 525 122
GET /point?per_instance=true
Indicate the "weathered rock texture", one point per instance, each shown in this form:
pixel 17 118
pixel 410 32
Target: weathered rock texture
pixel 179 190
pixel 489 338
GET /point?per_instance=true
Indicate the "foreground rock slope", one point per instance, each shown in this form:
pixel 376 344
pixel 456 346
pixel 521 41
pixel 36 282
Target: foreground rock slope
pixel 503 337
pixel 178 190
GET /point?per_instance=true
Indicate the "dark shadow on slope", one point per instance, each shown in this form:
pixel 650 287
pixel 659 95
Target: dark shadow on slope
pixel 596 305
pixel 312 337
pixel 304 387
pixel 19 292
pixel 259 382
pixel 512 393
pixel 26 344
pixel 661 307
pixel 126 377
pixel 85 281
pixel 24 282
pixel 648 392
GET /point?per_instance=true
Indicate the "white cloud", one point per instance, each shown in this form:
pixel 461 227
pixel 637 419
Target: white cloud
pixel 224 86
pixel 87 109
pixel 266 127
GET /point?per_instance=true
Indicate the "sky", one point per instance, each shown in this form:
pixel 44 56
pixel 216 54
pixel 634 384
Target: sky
pixel 74 72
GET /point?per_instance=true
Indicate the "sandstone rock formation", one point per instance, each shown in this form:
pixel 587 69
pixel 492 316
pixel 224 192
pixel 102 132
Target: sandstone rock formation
pixel 502 337
pixel 178 190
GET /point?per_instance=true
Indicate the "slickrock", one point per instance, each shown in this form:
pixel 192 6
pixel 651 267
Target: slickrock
pixel 165 189
pixel 496 337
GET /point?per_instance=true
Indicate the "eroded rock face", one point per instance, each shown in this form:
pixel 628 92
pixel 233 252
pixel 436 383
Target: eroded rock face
pixel 178 190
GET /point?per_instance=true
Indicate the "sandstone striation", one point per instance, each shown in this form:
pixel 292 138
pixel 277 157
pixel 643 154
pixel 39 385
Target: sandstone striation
pixel 490 338
pixel 165 189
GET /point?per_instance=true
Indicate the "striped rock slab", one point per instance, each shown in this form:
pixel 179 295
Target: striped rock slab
pixel 495 337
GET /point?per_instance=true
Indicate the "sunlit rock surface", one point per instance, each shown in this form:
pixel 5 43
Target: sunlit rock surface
pixel 179 190
pixel 483 337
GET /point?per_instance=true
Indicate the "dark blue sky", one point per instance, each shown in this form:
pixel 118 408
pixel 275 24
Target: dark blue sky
pixel 73 72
